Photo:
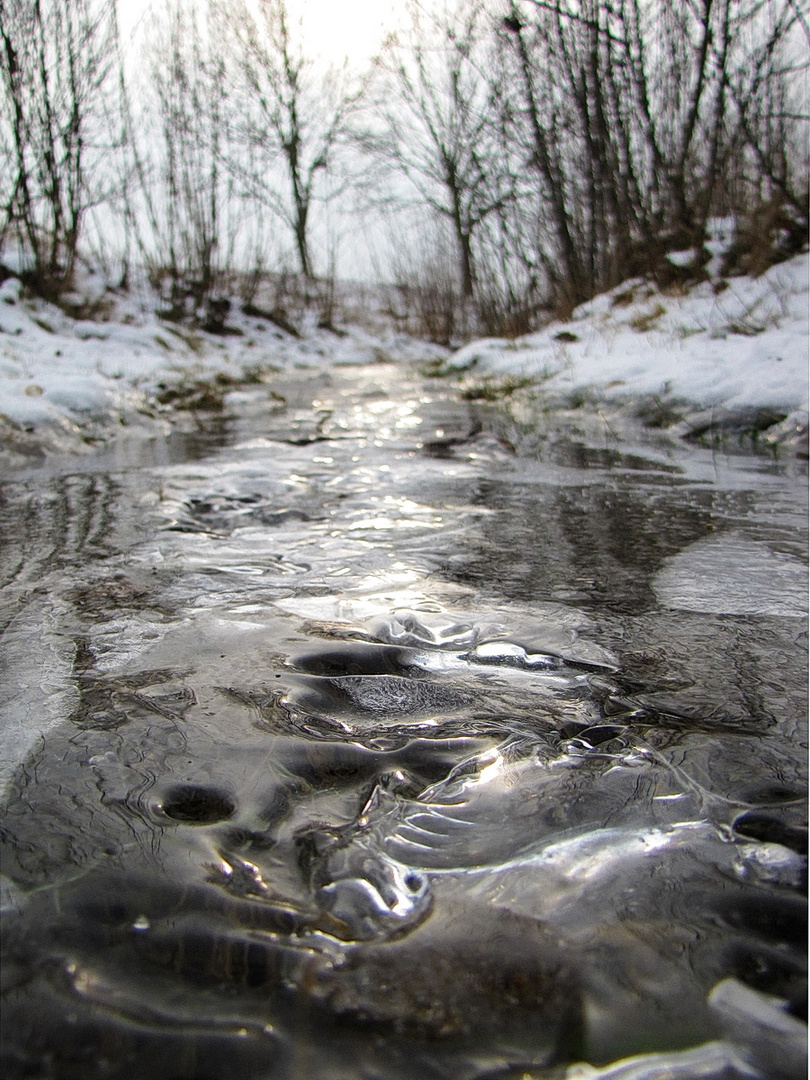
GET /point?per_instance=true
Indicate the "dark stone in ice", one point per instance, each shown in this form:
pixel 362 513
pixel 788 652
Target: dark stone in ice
pixel 774 826
pixel 196 805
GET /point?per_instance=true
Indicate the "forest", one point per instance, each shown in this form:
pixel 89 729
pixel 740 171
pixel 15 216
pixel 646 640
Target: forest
pixel 496 162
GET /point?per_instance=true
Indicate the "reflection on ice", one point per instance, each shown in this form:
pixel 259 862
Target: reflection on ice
pixel 732 574
pixel 370 895
pixel 404 627
pixel 489 812
pixel 506 652
pixel 712 1061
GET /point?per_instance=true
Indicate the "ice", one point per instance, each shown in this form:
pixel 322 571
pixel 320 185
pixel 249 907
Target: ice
pixel 510 654
pixel 373 895
pixel 38 690
pixel 328 783
pixel 712 1061
pixel 772 1039
pixel 732 574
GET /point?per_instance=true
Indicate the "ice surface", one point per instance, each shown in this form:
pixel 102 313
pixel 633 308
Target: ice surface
pixel 734 575
pixel 37 690
pixel 347 803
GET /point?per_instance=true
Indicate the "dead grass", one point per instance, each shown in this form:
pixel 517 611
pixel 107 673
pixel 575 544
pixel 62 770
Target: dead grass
pixel 497 389
pixel 647 319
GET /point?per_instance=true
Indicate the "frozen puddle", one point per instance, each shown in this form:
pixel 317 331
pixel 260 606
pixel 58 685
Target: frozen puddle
pixel 357 749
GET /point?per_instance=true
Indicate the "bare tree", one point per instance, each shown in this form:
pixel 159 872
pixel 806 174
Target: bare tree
pixel 185 189
pixel 549 148
pixel 294 119
pixel 768 91
pixel 544 125
pixel 55 60
pixel 435 124
pixel 640 119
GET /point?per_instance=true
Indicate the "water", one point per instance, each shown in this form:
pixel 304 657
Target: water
pixel 378 735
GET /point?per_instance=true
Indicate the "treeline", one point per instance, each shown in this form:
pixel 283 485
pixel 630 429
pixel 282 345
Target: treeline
pixel 516 156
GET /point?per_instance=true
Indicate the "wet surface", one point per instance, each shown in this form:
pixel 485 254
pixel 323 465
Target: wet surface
pixel 373 735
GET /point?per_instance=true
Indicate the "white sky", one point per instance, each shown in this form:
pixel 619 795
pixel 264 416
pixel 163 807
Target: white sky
pixel 335 29
pixel 345 28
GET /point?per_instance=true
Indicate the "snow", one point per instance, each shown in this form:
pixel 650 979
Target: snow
pixel 682 258
pixel 744 342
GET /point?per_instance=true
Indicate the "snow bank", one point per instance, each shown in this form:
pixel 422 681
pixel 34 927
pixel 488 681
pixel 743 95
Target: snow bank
pixel 738 343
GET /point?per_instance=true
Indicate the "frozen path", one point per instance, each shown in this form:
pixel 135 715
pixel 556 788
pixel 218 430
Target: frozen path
pixel 375 733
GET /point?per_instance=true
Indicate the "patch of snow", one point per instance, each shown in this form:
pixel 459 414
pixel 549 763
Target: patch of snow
pixel 720 234
pixel 10 290
pixel 681 258
pixel 58 375
pixel 85 330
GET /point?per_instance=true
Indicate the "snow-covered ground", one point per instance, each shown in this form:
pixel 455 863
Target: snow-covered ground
pixel 744 343
pixel 66 382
